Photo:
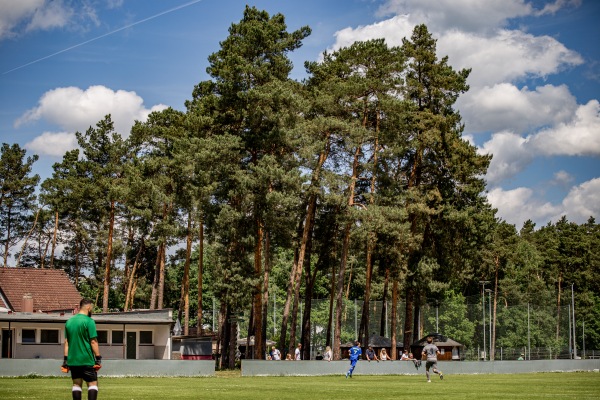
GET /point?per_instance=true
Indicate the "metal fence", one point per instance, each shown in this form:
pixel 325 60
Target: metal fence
pixel 532 331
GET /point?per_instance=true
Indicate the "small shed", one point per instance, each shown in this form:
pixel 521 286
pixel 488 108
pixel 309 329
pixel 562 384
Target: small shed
pixel 450 350
pixel 378 342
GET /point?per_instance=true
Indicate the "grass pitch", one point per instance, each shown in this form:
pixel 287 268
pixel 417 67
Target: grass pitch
pixel 230 385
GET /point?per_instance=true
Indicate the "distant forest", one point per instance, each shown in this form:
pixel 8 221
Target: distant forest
pixel 355 183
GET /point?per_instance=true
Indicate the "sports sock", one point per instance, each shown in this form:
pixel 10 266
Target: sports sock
pixel 427 374
pixel 76 393
pixel 92 392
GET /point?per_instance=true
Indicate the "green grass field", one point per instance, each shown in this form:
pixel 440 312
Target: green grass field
pixel 228 385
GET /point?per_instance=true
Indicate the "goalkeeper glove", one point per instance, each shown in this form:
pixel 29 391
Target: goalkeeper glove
pixel 64 367
pixel 98 363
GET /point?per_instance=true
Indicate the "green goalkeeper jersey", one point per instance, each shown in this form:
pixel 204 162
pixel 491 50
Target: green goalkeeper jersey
pixel 79 331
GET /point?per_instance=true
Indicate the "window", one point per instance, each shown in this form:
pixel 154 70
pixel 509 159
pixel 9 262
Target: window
pixel 102 337
pixel 28 335
pixel 145 337
pixel 117 337
pixel 49 336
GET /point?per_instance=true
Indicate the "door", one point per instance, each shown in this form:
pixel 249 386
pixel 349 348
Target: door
pixel 131 345
pixel 7 343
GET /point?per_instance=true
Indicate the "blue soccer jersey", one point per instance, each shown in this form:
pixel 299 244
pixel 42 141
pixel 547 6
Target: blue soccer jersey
pixel 355 353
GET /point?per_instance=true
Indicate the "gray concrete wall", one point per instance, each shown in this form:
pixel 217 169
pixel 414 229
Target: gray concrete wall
pixel 36 350
pixel 307 368
pixel 47 367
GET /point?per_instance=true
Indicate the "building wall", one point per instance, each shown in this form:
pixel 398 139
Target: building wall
pixel 158 349
pixel 39 351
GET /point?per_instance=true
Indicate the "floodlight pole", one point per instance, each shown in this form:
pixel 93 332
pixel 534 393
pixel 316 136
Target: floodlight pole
pixel 483 283
pixel 573 316
pixel 489 292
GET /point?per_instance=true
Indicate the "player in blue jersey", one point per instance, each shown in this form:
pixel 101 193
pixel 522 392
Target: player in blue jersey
pixel 355 353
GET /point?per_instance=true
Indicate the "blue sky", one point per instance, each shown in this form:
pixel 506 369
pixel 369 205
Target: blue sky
pixel 533 102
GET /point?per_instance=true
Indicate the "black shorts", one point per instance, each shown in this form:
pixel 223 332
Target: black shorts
pixel 88 374
pixel 430 364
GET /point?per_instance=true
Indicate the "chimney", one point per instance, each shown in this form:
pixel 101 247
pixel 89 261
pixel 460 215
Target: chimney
pixel 27 303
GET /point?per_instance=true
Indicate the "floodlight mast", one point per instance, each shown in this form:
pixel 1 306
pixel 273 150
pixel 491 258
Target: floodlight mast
pixel 483 283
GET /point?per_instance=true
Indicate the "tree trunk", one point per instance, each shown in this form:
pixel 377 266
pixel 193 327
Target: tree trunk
pixel 337 333
pixel 55 233
pixel 161 277
pixel 558 305
pixel 384 302
pixel 288 301
pixel 364 319
pixel 339 304
pixel 130 293
pixel 259 342
pixel 111 225
pixel 200 274
pixel 18 263
pixel 296 302
pixel 77 266
pixel 224 331
pixel 331 299
pixel 394 340
pixel 308 293
pixel 184 300
pixel 265 289
pixel 408 317
pixel 154 295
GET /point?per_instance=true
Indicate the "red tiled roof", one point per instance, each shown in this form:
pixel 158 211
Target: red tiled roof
pixel 51 289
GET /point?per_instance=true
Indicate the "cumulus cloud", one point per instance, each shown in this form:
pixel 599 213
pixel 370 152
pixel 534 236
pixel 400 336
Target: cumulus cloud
pixel 469 15
pixel 31 15
pixel 73 109
pixel 582 201
pixel 506 56
pixel 51 15
pixel 23 16
pixel 518 205
pixel 506 107
pixel 580 136
pixel 510 156
pixel 54 144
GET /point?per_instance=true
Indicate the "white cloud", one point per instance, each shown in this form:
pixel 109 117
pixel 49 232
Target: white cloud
pixel 552 8
pixel 74 109
pixel 510 156
pixel 468 15
pixel 562 178
pixel 582 202
pixel 14 12
pixel 393 30
pixel 506 56
pixel 505 107
pixel 54 144
pixel 580 136
pixel 518 205
pixel 24 16
pixel 54 14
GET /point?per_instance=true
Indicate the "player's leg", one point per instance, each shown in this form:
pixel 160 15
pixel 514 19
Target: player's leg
pixel 427 367
pixel 91 378
pixel 76 389
pixel 437 371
